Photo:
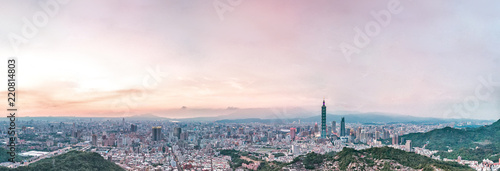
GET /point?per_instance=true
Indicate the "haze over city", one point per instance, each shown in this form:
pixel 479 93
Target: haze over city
pixel 182 59
pixel 232 85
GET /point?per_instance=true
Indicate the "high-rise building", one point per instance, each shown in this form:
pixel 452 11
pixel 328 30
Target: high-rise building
pixel 156 133
pixel 77 133
pixel 94 139
pixel 292 133
pixel 386 135
pixel 316 129
pixel 323 120
pixel 334 127
pixel 342 127
pixel 177 132
pixel 104 140
pixel 133 128
pixel 408 145
pixel 358 132
pixel 184 136
pixel 395 139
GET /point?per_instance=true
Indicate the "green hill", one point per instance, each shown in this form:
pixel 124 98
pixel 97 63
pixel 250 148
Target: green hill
pixel 73 160
pixel 471 144
pixel 386 158
pixel 412 160
pixel 383 158
pixel 4 156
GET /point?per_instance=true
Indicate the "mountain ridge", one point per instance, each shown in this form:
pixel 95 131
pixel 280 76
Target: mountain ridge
pixel 352 117
pixel 469 143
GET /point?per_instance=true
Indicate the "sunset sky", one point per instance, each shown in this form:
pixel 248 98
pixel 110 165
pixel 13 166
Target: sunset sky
pixel 119 58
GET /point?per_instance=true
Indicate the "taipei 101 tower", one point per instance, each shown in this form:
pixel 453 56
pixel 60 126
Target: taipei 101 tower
pixel 323 120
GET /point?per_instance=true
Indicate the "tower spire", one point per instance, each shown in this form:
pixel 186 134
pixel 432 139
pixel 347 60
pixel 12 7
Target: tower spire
pixel 323 120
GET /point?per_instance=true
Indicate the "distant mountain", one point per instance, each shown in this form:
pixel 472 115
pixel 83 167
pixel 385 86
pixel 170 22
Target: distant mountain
pixel 234 114
pixel 368 118
pixel 146 117
pixel 469 143
pixel 73 160
pixel 247 120
pixel 376 117
pixel 263 115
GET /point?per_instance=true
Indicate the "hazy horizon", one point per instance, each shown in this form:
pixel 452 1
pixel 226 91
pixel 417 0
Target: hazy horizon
pixel 251 113
pixel 431 59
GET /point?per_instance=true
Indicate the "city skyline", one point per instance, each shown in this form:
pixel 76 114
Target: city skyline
pixel 205 144
pixel 232 85
pixel 181 59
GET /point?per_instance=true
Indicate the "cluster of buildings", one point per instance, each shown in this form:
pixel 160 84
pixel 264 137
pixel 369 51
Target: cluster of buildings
pixel 485 165
pixel 137 144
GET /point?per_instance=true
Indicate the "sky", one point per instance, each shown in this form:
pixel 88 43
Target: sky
pixel 121 58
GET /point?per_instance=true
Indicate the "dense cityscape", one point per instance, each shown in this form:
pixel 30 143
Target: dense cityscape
pixel 238 85
pixel 145 144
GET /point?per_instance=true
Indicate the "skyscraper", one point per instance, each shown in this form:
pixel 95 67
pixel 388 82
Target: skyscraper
pixel 334 126
pixel 342 127
pixel 292 133
pixel 408 145
pixel 177 132
pixel 386 134
pixel 316 129
pixel 323 120
pixel 156 133
pixel 94 139
pixel 395 139
pixel 184 136
pixel 133 128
